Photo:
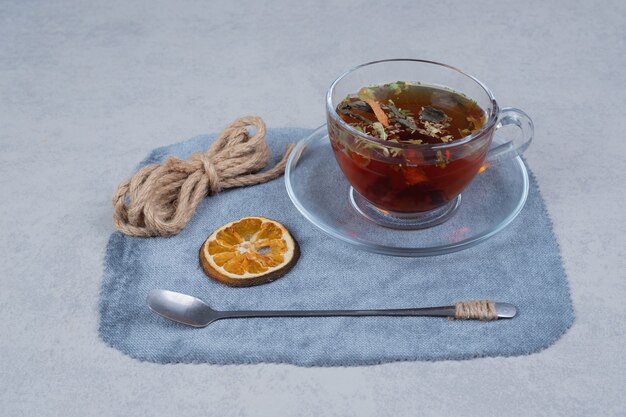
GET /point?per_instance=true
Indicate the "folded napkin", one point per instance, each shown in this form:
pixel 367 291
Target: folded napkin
pixel 520 265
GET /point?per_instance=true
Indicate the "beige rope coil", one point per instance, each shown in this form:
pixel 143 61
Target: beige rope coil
pixel 476 310
pixel 160 199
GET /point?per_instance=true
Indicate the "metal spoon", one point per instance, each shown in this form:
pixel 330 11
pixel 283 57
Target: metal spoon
pixel 192 311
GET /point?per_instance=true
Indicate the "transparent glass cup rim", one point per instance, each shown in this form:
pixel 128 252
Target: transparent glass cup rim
pixel 490 122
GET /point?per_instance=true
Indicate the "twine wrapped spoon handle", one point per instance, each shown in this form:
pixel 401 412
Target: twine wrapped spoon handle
pixel 192 311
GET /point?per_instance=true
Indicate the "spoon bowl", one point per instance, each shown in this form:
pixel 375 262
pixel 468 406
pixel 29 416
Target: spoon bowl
pixel 182 308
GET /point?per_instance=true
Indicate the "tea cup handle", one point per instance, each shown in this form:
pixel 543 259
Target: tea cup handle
pixel 510 146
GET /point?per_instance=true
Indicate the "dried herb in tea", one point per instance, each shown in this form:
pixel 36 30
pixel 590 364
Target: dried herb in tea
pixel 408 179
pixel 410 112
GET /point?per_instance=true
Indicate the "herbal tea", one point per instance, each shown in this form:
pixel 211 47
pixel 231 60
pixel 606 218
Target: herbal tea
pixel 408 178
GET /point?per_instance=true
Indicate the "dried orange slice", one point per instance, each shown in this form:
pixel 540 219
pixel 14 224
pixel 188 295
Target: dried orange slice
pixel 249 251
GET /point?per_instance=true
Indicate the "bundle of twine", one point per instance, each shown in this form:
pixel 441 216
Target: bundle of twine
pixel 160 199
pixel 476 310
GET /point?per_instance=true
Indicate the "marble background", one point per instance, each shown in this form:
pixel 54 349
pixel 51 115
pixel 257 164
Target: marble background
pixel 87 89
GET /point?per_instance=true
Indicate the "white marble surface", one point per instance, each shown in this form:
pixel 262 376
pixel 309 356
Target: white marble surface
pixel 136 75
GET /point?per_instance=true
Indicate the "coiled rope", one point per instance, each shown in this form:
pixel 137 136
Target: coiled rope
pixel 160 199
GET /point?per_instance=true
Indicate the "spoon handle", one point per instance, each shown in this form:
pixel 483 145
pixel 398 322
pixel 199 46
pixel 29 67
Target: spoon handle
pixel 444 311
pixel 468 310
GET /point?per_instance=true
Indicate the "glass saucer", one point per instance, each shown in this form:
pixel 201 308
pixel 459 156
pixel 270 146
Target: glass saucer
pixel 319 190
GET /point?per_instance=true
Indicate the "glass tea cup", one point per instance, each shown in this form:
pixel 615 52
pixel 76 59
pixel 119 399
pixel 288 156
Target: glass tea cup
pixel 415 186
